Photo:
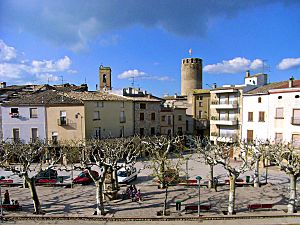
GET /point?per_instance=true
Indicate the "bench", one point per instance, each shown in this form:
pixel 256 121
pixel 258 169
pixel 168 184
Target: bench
pixel 260 206
pixel 9 207
pixel 195 207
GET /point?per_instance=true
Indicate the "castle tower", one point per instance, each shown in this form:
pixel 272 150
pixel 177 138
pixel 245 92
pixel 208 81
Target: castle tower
pixel 191 75
pixel 105 78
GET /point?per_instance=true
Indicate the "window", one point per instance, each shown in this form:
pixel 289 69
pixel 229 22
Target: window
pixel 152 130
pixel 187 125
pixel 34 134
pixel 54 137
pixel 200 97
pixel 16 134
pixel 278 137
pixel 249 135
pixel 296 140
pixel 279 113
pixel 200 114
pixel 122 104
pixel 97 132
pixel 142 133
pixel 63 118
pixel 179 117
pixel 14 112
pixel 163 118
pixel 122 131
pixel 96 115
pixel 169 120
pixel 33 112
pixel 261 117
pixel 259 99
pixel 141 116
pixel 122 117
pixel 142 105
pixel 152 116
pixel 297 96
pixel 296 117
pixel 99 104
pixel 200 104
pixel 250 116
pixel 279 97
pixel 179 130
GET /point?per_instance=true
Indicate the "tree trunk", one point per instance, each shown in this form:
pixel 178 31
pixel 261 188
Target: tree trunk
pixel 292 199
pixel 211 177
pixel 256 174
pixel 232 179
pixel 35 198
pixel 165 202
pixel 99 198
pixel 162 173
pixel 115 179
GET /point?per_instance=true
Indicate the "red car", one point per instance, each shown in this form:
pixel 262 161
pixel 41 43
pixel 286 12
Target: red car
pixel 84 177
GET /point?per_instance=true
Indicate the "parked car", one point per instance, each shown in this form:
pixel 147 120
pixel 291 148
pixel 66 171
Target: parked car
pixel 46 176
pixel 126 175
pixel 85 178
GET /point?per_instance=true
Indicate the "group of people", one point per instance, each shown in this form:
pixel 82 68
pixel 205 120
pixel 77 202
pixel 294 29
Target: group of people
pixel 133 193
pixel 7 200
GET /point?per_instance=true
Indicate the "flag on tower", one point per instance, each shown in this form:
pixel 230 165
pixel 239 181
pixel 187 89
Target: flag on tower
pixel 190 52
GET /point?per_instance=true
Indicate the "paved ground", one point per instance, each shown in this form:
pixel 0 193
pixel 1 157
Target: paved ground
pixel 80 200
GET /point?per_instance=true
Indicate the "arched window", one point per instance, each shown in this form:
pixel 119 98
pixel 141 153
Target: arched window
pixel 259 99
pixel 104 78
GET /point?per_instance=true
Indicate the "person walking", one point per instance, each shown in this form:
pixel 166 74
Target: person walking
pixel 6 198
pixel 216 183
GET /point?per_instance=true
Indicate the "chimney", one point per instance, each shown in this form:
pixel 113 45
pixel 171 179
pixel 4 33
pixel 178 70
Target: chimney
pixel 214 85
pixel 248 73
pixel 3 85
pixel 291 81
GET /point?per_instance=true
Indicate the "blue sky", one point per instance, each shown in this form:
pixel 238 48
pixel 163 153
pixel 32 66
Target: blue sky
pixel 43 41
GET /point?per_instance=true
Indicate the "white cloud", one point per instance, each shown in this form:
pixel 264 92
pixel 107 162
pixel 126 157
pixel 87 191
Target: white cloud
pixel 142 75
pixel 236 65
pixel 7 53
pixel 23 69
pixel 288 63
pixel 47 77
pixel 131 73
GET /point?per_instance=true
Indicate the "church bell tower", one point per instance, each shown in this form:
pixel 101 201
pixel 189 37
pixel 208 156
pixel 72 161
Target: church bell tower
pixel 105 78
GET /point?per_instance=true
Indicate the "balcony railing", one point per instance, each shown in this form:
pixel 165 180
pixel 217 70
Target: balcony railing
pixel 295 121
pixel 63 121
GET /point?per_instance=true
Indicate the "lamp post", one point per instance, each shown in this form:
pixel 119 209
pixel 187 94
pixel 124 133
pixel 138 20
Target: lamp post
pixel 198 178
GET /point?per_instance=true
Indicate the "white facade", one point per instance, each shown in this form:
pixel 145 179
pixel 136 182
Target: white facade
pixel 255 104
pixel 281 109
pixel 288 125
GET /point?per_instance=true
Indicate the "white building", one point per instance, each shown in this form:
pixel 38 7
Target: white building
pixel 273 112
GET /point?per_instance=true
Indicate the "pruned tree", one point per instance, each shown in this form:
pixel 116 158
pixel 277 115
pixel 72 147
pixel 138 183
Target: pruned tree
pixel 30 157
pixel 166 158
pixel 220 154
pixel 104 154
pixel 288 159
pixel 206 151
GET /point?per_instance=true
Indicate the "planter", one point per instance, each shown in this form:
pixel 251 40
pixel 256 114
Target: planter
pixel 160 213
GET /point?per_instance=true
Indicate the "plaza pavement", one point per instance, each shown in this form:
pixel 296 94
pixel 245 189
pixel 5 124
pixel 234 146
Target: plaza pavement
pixel 79 201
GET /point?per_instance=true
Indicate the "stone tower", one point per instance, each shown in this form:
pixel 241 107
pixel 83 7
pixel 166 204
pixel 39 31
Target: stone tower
pixel 105 78
pixel 191 75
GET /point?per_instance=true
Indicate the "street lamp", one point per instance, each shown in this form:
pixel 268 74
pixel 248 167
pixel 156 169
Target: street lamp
pixel 198 178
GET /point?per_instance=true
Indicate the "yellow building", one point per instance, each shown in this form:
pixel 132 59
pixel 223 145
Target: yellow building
pixel 105 114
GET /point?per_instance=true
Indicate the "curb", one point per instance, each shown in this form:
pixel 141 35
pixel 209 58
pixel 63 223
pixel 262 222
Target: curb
pixel 95 218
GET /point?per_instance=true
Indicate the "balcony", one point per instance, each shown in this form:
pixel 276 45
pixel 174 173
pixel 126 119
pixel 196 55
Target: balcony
pixel 224 121
pixel 227 104
pixel 295 120
pixel 63 121
pixel 224 137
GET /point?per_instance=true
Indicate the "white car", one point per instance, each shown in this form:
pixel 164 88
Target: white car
pixel 126 175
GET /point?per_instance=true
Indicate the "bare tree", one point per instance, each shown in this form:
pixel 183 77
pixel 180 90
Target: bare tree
pixel 220 154
pixel 105 154
pixel 288 159
pixel 27 155
pixel 166 159
pixel 205 150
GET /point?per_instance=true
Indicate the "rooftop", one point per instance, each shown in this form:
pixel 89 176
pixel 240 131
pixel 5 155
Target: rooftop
pixel 275 85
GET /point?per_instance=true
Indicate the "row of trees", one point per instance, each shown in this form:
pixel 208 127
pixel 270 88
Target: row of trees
pixel 252 155
pixel 166 156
